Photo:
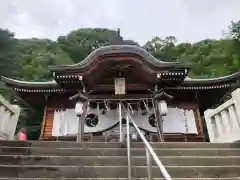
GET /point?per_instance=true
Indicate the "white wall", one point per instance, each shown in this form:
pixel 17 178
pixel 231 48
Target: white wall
pixel 223 123
pixel 9 115
pixel 66 122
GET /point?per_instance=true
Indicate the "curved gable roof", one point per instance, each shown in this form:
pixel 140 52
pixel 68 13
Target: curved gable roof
pixel 30 84
pixel 227 78
pixel 119 49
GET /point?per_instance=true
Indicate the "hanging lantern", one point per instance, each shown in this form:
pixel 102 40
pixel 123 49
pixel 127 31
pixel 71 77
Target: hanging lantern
pixel 163 109
pixel 120 86
pixel 79 108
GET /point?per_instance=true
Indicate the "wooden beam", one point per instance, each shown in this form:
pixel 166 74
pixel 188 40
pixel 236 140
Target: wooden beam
pixel 120 97
pixel 200 123
pixel 107 87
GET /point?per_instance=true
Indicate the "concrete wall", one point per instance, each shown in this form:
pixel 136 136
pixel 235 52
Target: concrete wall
pixel 223 123
pixel 9 115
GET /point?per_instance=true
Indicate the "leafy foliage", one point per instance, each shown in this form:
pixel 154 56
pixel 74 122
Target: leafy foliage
pixel 209 58
pixel 7 61
pixel 235 30
pixel 35 55
pixel 80 43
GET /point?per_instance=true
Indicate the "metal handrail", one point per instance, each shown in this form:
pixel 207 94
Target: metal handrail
pixel 149 151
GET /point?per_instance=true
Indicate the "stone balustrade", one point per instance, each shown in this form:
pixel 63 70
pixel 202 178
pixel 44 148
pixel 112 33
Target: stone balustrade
pixel 223 122
pixel 9 115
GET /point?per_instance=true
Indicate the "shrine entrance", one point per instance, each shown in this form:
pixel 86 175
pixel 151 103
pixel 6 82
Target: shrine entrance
pixel 115 113
pixel 108 119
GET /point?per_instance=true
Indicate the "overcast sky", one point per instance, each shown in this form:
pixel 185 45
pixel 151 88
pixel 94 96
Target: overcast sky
pixel 140 20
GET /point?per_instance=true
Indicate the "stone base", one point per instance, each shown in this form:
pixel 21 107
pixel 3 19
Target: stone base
pixel 43 160
pixel 152 138
pixel 3 136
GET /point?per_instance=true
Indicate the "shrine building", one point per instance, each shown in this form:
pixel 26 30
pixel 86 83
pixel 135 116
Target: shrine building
pixel 138 76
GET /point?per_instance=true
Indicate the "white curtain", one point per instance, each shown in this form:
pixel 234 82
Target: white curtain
pixel 66 122
pixel 60 123
pixel 56 123
pixel 174 121
pixel 72 120
pixel 191 122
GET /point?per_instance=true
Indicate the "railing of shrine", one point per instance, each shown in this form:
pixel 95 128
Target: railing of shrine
pixel 9 115
pixel 223 123
pixel 150 153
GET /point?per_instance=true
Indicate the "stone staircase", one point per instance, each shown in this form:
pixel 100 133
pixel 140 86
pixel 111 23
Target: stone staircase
pixel 108 161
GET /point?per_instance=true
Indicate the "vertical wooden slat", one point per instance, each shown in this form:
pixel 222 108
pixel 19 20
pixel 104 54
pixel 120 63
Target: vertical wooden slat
pixel 48 125
pixel 198 121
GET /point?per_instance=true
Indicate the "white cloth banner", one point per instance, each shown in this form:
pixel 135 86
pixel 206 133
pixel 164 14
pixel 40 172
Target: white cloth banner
pixel 173 122
pixel 66 122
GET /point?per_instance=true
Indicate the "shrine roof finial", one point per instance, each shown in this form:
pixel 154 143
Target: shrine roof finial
pixel 117 38
pixel 118 32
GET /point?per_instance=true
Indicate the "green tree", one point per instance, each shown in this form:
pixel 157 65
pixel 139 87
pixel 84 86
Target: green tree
pixel 209 58
pixel 80 43
pixel 8 65
pixel 234 30
pixel 36 55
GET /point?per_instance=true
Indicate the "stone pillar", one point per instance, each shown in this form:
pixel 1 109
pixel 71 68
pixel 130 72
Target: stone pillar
pixel 223 122
pixel 226 120
pixel 10 124
pixel 210 128
pixel 236 101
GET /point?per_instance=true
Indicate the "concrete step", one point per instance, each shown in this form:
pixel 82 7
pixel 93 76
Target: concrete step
pixel 116 151
pixel 119 160
pixel 62 144
pixel 233 178
pixel 24 171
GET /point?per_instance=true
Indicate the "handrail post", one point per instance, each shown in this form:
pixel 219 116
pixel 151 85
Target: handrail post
pixel 129 150
pixel 151 152
pixel 81 124
pixel 149 164
pixel 120 122
pixel 158 121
